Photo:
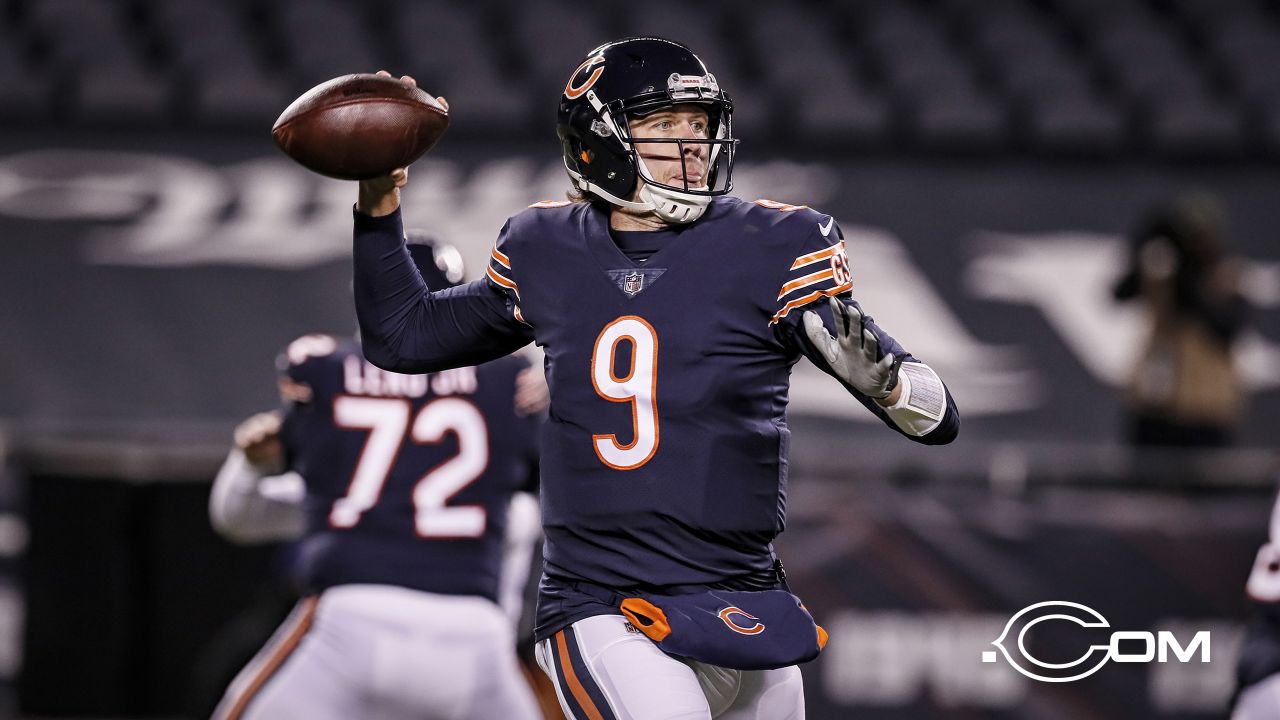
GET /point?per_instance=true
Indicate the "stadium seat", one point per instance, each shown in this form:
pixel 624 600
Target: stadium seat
pixel 1057 76
pixel 1089 14
pixel 25 94
pixel 695 26
pixel 203 36
pixel 76 34
pixel 1195 125
pixel 1075 124
pixel 451 52
pixel 1247 49
pixel 221 76
pixel 247 99
pixel 1269 128
pixel 960 121
pixel 552 38
pixel 817 84
pixel 122 94
pixel 319 53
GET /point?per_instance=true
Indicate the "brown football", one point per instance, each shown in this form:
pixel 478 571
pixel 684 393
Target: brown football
pixel 360 126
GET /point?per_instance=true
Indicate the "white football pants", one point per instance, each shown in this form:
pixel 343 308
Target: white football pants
pixel 1260 701
pixel 379 652
pixel 604 669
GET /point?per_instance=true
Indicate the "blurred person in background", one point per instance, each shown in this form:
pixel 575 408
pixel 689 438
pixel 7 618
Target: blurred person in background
pixel 1258 666
pixel 408 496
pixel 671 315
pixel 1185 389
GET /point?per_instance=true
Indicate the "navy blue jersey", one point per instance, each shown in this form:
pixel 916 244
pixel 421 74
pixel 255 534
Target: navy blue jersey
pixel 408 477
pixel 664 458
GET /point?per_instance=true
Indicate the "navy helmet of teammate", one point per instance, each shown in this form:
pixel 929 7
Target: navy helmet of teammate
pixel 399 490
pixel 671 314
pixel 438 262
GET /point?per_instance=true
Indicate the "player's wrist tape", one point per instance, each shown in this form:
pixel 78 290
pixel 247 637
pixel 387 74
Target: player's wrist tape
pixel 922 402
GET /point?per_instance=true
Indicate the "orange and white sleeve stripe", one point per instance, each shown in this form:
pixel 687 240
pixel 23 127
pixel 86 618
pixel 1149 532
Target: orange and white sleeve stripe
pixel 813 276
pixel 499 275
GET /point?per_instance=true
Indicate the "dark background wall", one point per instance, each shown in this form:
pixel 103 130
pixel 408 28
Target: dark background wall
pixel 985 159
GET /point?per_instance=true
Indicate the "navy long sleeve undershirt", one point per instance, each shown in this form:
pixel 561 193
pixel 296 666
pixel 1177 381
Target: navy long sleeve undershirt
pixel 405 327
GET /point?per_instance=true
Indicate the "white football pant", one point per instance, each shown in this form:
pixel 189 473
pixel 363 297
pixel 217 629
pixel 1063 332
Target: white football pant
pixel 1260 701
pixel 379 652
pixel 604 669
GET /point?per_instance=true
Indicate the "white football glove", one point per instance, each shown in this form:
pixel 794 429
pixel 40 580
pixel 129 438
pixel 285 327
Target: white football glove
pixel 854 354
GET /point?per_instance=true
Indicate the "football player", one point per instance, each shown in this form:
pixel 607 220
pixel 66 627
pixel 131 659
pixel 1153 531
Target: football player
pixel 400 488
pixel 1258 666
pixel 671 314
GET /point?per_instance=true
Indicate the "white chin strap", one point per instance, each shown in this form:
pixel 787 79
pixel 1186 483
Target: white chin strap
pixel 673 206
pixel 670 206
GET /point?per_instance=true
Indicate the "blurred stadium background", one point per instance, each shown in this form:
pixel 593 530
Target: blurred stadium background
pixel 986 159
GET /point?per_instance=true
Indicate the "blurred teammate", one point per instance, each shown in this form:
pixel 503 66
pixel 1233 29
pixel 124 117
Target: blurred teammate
pixel 1185 389
pixel 399 487
pixel 670 314
pixel 1258 667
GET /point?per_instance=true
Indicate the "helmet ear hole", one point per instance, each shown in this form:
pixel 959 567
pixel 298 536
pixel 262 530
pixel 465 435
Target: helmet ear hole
pixel 605 166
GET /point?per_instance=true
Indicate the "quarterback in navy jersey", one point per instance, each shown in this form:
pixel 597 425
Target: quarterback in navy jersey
pixel 398 490
pixel 670 315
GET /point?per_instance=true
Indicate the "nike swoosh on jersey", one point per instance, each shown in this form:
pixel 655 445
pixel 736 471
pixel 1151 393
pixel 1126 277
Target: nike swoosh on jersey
pixel 826 229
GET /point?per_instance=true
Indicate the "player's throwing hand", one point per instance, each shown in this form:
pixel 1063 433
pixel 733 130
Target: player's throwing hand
pixel 854 355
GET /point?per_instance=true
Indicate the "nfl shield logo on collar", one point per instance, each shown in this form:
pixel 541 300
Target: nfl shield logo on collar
pixel 632 283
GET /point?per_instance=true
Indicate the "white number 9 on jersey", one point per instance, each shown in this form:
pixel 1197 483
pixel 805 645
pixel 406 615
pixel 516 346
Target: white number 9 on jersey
pixel 639 387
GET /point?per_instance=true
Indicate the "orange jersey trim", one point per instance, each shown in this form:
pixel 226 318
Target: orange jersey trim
pixel 818 255
pixel 501 257
pixel 806 281
pixel 504 282
pixel 800 302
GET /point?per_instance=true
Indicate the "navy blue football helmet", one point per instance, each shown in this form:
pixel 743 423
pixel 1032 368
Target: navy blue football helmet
pixel 633 78
pixel 439 262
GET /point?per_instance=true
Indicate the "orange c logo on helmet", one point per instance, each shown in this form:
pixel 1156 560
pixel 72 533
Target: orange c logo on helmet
pixel 755 629
pixel 572 91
